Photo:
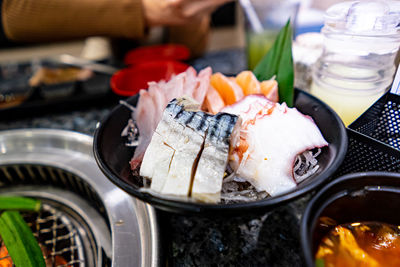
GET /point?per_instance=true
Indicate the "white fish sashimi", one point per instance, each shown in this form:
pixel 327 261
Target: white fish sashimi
pixel 146 122
pixel 174 87
pixel 270 142
pixel 152 103
pixel 203 83
pixel 159 100
pixel 190 83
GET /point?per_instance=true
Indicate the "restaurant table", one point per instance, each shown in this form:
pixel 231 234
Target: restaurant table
pixel 270 238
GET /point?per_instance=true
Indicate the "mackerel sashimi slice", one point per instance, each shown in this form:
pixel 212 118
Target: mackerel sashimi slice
pixel 188 152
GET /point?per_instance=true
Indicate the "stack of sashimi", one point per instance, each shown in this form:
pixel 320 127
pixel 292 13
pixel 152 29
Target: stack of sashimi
pixel 189 150
pixel 153 101
pixel 193 126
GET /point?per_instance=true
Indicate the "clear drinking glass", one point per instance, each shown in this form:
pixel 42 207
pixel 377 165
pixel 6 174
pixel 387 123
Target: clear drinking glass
pixel 273 15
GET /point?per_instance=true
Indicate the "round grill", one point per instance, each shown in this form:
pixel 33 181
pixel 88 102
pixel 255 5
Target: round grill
pixel 85 220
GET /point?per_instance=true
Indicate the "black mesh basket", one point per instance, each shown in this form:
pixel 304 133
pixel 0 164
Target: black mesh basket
pixel 374 139
pixel 382 121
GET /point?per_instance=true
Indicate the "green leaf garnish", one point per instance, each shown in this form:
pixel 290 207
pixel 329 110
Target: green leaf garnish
pixel 19 203
pixel 22 246
pixel 279 62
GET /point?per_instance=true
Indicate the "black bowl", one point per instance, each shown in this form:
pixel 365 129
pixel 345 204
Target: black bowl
pixel 113 156
pixel 356 197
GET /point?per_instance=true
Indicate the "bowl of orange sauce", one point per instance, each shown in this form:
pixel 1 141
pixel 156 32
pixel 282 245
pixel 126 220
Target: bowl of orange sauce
pixel 354 221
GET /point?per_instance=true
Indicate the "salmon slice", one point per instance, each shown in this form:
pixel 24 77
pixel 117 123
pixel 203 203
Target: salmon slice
pixel 230 91
pixel 269 88
pixel 248 82
pixel 213 102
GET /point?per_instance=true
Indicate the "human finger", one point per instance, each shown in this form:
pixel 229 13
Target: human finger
pixel 195 7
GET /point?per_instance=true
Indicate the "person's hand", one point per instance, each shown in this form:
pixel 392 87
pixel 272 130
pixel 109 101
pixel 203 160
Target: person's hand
pixel 177 12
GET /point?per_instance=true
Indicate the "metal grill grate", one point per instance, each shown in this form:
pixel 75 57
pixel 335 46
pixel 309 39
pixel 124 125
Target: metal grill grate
pixel 65 238
pixel 34 174
pixel 61 244
pixel 57 236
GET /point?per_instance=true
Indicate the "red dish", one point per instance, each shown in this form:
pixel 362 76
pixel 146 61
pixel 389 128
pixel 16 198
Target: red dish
pixel 156 53
pixel 129 81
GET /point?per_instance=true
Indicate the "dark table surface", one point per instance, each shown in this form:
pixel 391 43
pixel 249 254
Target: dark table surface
pixel 268 239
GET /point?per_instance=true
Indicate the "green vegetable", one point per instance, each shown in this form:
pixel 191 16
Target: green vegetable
pixel 22 246
pixel 19 203
pixel 319 263
pixel 279 62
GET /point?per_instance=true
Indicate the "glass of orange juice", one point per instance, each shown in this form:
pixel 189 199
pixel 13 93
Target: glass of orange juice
pixel 272 15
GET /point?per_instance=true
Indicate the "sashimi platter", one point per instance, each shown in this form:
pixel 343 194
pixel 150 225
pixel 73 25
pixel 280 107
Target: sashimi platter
pixel 204 141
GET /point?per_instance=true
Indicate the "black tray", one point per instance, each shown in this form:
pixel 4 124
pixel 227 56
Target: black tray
pixel 382 121
pixel 374 138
